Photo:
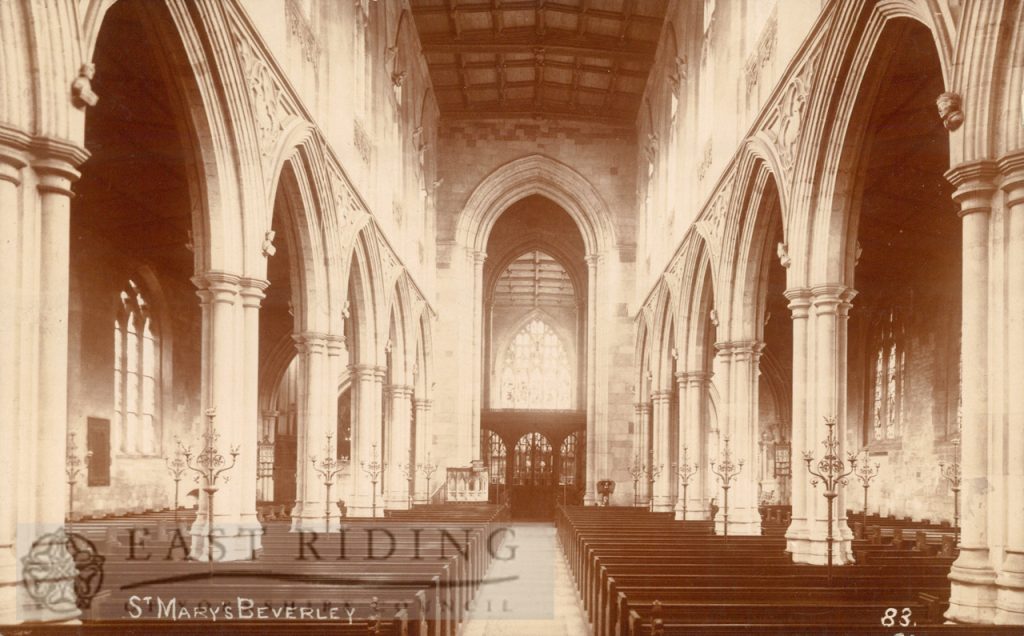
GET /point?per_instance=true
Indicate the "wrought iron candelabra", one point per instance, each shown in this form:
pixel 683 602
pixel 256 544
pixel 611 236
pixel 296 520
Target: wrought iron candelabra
pixel 176 467
pixel 832 474
pixel 726 471
pixel 328 468
pixel 653 472
pixel 409 471
pixel 73 468
pixel 209 466
pixel 685 472
pixel 636 471
pixel 865 474
pixel 428 471
pixel 952 474
pixel 373 469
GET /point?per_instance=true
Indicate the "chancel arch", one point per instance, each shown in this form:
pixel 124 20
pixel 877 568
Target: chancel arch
pixel 535 322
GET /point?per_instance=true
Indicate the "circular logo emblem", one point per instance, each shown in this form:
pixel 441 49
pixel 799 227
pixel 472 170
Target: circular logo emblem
pixel 63 571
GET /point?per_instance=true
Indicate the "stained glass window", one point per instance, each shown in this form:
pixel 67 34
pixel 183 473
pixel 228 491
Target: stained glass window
pixel 889 372
pixel 135 374
pixel 536 373
pixel 567 471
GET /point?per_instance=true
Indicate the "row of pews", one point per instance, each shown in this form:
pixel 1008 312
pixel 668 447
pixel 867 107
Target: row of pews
pixel 414 572
pixel 641 573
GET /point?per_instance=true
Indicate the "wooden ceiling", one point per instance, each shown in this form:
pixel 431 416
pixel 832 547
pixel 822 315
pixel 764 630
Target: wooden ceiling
pixel 538 58
pixel 534 279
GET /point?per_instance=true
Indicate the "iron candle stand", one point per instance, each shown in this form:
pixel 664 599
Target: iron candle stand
pixel 831 473
pixel 73 468
pixel 209 466
pixel 409 471
pixel 865 474
pixel 685 472
pixel 176 467
pixel 951 472
pixel 328 468
pixel 636 471
pixel 653 472
pixel 726 471
pixel 373 469
pixel 428 471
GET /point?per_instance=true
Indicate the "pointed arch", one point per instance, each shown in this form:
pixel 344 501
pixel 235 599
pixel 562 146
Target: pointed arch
pixel 536 174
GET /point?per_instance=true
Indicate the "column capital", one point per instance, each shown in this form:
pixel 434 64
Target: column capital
pixel 975 183
pixel 832 297
pixel 747 348
pixel 799 301
pixel 479 257
pixel 1012 168
pixel 217 281
pixel 592 259
pixel 13 154
pixel 56 161
pixel 251 290
pixel 400 390
pixel 422 404
pixel 642 407
pixel 308 341
pixel 363 371
pixel 335 344
pixel 661 395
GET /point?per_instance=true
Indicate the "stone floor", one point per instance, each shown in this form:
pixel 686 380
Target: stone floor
pixel 530 593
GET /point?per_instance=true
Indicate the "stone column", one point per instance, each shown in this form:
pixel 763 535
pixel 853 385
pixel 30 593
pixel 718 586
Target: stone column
pixel 423 446
pixel 661 455
pixel 251 292
pixel 365 433
pixel 724 412
pixel 590 496
pixel 828 399
pixel 12 161
pixel 398 450
pixel 677 452
pixel 478 353
pixel 1010 599
pixel 311 434
pixel 973 593
pixel 693 387
pixel 222 333
pixel 54 167
pixel 640 455
pixel 796 534
pixel 743 501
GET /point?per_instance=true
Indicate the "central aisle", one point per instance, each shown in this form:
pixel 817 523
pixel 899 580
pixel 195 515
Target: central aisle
pixel 528 590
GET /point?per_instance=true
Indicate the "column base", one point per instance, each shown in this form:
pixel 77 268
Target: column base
pixel 796 539
pixel 231 542
pixel 662 503
pixel 815 552
pixel 1010 594
pixel 590 499
pixel 973 593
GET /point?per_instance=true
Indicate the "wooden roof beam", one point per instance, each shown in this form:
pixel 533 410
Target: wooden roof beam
pixel 570 47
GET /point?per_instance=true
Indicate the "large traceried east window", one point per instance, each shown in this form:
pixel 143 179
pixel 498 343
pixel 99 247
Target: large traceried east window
pixel 135 374
pixel 536 372
pixel 888 377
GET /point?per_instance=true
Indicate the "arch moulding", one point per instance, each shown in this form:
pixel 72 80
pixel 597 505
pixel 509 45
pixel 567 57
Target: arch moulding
pixel 535 174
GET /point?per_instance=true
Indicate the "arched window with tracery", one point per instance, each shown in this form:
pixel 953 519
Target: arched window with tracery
pixel 887 379
pixel 568 460
pixel 495 456
pixel 136 366
pixel 533 463
pixel 536 372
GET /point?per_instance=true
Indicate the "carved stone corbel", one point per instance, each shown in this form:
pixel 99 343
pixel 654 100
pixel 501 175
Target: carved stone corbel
pixel 950 110
pixel 82 94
